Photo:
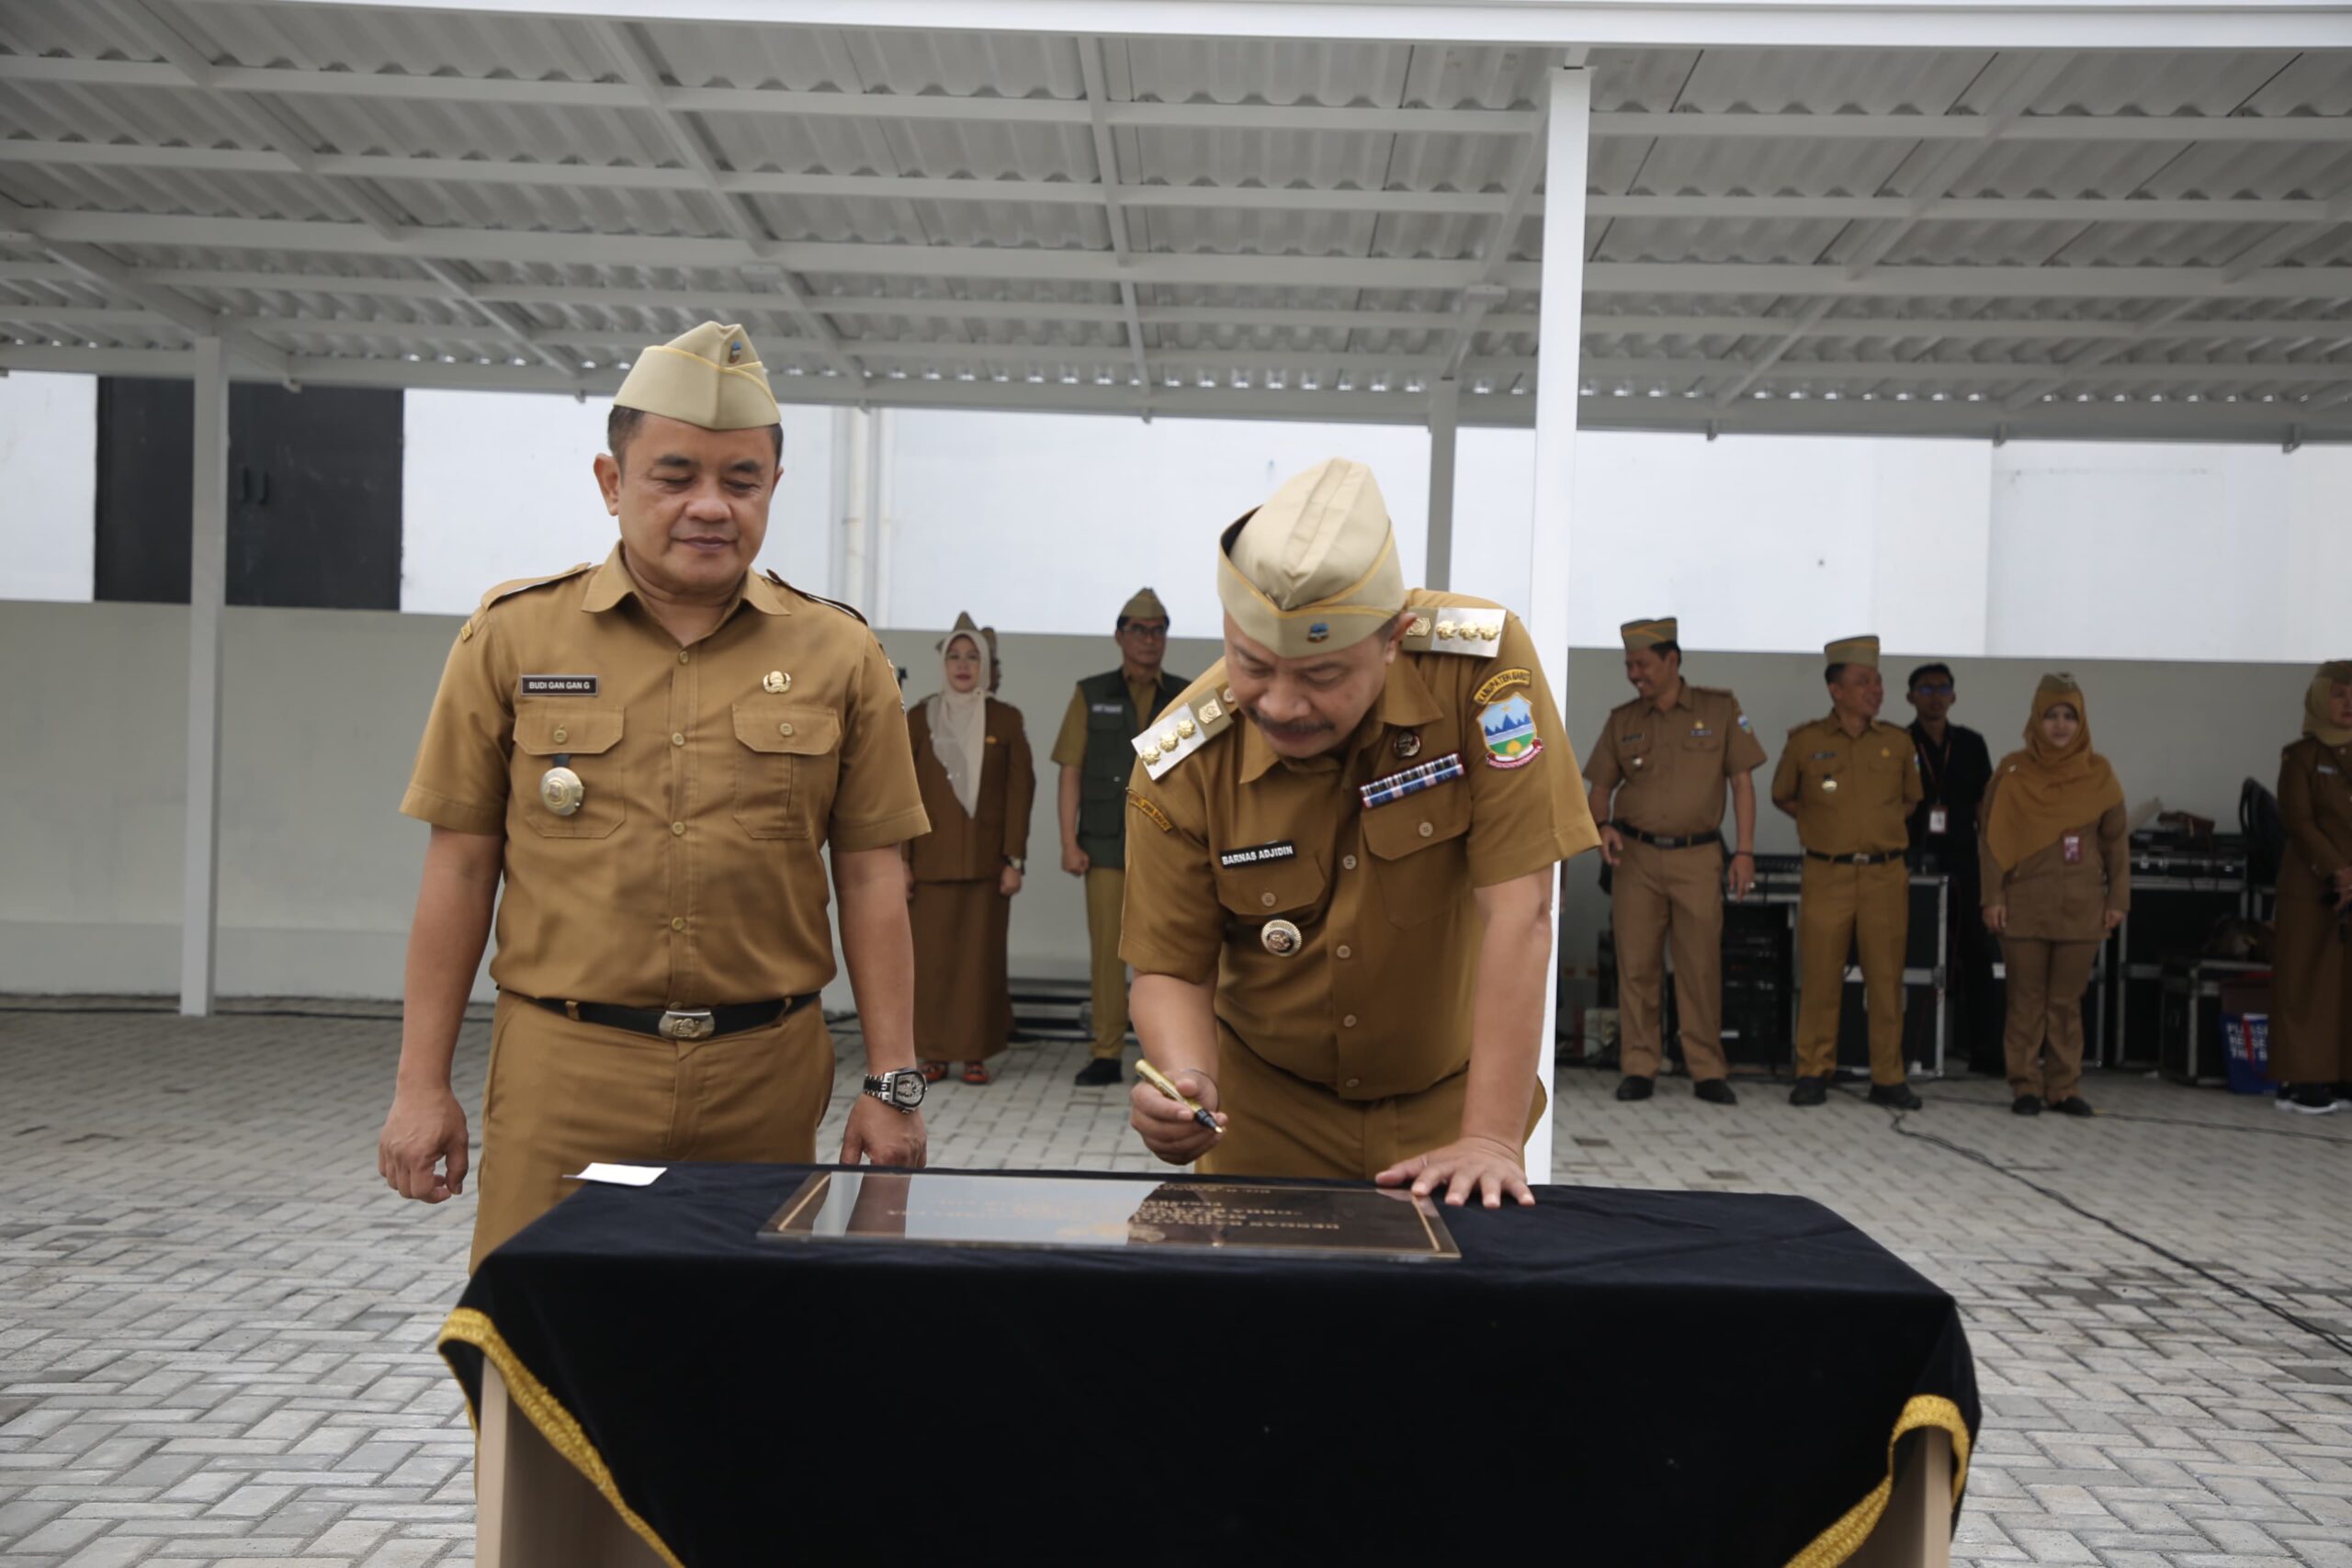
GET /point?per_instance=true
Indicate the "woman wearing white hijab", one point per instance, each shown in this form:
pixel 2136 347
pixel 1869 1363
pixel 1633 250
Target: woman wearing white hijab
pixel 973 766
pixel 2310 989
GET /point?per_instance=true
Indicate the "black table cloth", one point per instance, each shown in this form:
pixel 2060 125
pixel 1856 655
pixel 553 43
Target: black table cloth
pixel 1626 1377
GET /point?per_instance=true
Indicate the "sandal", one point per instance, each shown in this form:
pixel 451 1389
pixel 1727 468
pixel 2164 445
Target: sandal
pixel 933 1071
pixel 976 1072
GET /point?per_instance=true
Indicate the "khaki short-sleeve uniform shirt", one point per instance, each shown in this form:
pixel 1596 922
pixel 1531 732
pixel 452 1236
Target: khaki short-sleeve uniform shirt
pixel 1853 794
pixel 1374 1000
pixel 692 873
pixel 1668 769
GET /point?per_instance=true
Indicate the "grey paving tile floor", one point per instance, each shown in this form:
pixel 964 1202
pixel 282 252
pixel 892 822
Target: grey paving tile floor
pixel 216 1324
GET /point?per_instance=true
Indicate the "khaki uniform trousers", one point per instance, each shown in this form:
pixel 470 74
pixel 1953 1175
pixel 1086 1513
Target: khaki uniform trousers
pixel 2310 988
pixel 1106 893
pixel 562 1093
pixel 2046 980
pixel 1658 896
pixel 1868 908
pixel 1283 1125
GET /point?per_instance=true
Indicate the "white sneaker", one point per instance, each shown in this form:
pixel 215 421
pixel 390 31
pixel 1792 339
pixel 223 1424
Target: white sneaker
pixel 2290 1101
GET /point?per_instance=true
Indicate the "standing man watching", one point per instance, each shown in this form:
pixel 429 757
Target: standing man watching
pixel 1344 844
pixel 1096 752
pixel 1955 769
pixel 1850 781
pixel 1658 778
pixel 653 753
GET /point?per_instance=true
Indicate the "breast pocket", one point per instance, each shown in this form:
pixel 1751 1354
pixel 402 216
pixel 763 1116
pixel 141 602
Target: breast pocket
pixel 1285 889
pixel 787 760
pixel 590 740
pixel 1420 853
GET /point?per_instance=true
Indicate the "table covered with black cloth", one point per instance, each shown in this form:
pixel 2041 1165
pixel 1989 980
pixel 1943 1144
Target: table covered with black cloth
pixel 1627 1377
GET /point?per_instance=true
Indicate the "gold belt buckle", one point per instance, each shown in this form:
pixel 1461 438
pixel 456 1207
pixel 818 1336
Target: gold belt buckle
pixel 694 1024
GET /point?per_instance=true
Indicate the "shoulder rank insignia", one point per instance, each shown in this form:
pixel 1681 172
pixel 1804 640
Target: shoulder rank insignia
pixel 1455 628
pixel 849 610
pixel 1182 730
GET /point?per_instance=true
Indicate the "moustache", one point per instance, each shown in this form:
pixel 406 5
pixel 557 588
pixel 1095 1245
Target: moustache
pixel 1296 731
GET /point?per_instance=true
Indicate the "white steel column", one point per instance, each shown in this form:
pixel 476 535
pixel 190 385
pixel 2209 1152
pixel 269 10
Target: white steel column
pixel 208 584
pixel 1445 403
pixel 1559 342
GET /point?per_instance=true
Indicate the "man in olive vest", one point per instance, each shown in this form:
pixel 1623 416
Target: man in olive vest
pixel 1095 751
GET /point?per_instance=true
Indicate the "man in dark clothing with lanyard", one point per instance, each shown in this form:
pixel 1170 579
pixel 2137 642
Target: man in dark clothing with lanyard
pixel 1954 769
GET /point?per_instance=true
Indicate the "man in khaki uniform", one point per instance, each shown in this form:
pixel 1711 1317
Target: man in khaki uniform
pixel 1850 781
pixel 1340 861
pixel 653 753
pixel 1095 751
pixel 1666 757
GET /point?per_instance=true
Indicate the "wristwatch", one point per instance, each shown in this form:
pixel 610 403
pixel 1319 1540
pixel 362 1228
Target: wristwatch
pixel 899 1089
pixel 1017 863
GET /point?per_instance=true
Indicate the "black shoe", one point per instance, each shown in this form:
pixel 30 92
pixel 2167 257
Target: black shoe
pixel 2309 1099
pixel 2073 1105
pixel 1810 1091
pixel 1714 1091
pixel 2027 1105
pixel 1100 1073
pixel 1632 1087
pixel 1895 1096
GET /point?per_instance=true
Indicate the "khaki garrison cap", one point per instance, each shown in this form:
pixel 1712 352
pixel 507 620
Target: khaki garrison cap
pixel 1639 635
pixel 711 377
pixel 1853 650
pixel 964 624
pixel 1144 606
pixel 1315 569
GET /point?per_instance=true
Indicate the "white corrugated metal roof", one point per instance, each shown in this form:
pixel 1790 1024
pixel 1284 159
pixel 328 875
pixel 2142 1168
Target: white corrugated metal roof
pixel 1963 240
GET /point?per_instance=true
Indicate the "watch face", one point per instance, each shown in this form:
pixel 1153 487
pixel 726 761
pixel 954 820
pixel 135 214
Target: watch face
pixel 906 1088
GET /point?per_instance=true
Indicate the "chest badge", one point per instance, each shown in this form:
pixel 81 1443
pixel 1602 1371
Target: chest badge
pixel 1281 938
pixel 1829 786
pixel 1407 746
pixel 560 790
pixel 775 680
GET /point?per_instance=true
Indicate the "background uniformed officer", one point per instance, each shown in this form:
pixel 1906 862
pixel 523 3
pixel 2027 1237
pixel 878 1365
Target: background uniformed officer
pixel 1341 867
pixel 1850 781
pixel 1106 713
pixel 654 754
pixel 1665 758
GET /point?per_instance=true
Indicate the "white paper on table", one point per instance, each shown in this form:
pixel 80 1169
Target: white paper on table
pixel 619 1175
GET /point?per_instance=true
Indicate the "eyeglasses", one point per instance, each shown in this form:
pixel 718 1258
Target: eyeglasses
pixel 1926 690
pixel 1147 630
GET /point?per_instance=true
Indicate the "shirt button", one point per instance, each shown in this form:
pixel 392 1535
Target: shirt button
pixel 1347 862
pixel 1346 952
pixel 677 739
pixel 1267 899
pixel 1353 1082
pixel 1427 830
pixel 561 735
pixel 679 828
pixel 677 922
pixel 1348 1021
pixel 784 730
pixel 682 656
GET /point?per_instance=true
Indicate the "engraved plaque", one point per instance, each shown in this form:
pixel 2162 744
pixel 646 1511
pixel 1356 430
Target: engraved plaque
pixel 1259 1220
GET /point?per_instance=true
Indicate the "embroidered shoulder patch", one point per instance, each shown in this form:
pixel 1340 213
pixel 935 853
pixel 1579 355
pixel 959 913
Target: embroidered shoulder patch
pixel 1509 729
pixel 1499 682
pixel 1151 812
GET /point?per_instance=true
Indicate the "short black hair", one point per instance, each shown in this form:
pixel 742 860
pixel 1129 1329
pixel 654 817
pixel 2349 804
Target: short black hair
pixel 1924 671
pixel 1830 675
pixel 1663 648
pixel 1124 622
pixel 620 429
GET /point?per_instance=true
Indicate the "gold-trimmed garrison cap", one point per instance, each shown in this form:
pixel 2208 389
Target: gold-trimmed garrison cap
pixel 710 376
pixel 1144 606
pixel 1315 569
pixel 1639 635
pixel 1853 650
pixel 965 626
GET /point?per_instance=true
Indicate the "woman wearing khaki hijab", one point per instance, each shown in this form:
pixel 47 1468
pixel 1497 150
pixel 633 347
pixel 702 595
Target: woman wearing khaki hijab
pixel 2057 871
pixel 2310 1016
pixel 973 766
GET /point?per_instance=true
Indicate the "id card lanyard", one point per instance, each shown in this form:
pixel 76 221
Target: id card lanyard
pixel 1938 816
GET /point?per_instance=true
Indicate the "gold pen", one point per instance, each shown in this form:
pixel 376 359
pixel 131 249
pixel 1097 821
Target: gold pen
pixel 1160 1080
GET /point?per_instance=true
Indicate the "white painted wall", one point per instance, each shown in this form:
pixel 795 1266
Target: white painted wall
pixel 49 486
pixel 323 711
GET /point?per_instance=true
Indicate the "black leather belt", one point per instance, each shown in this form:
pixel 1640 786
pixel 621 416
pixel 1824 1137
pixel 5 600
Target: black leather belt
pixel 1663 841
pixel 680 1023
pixel 1881 858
